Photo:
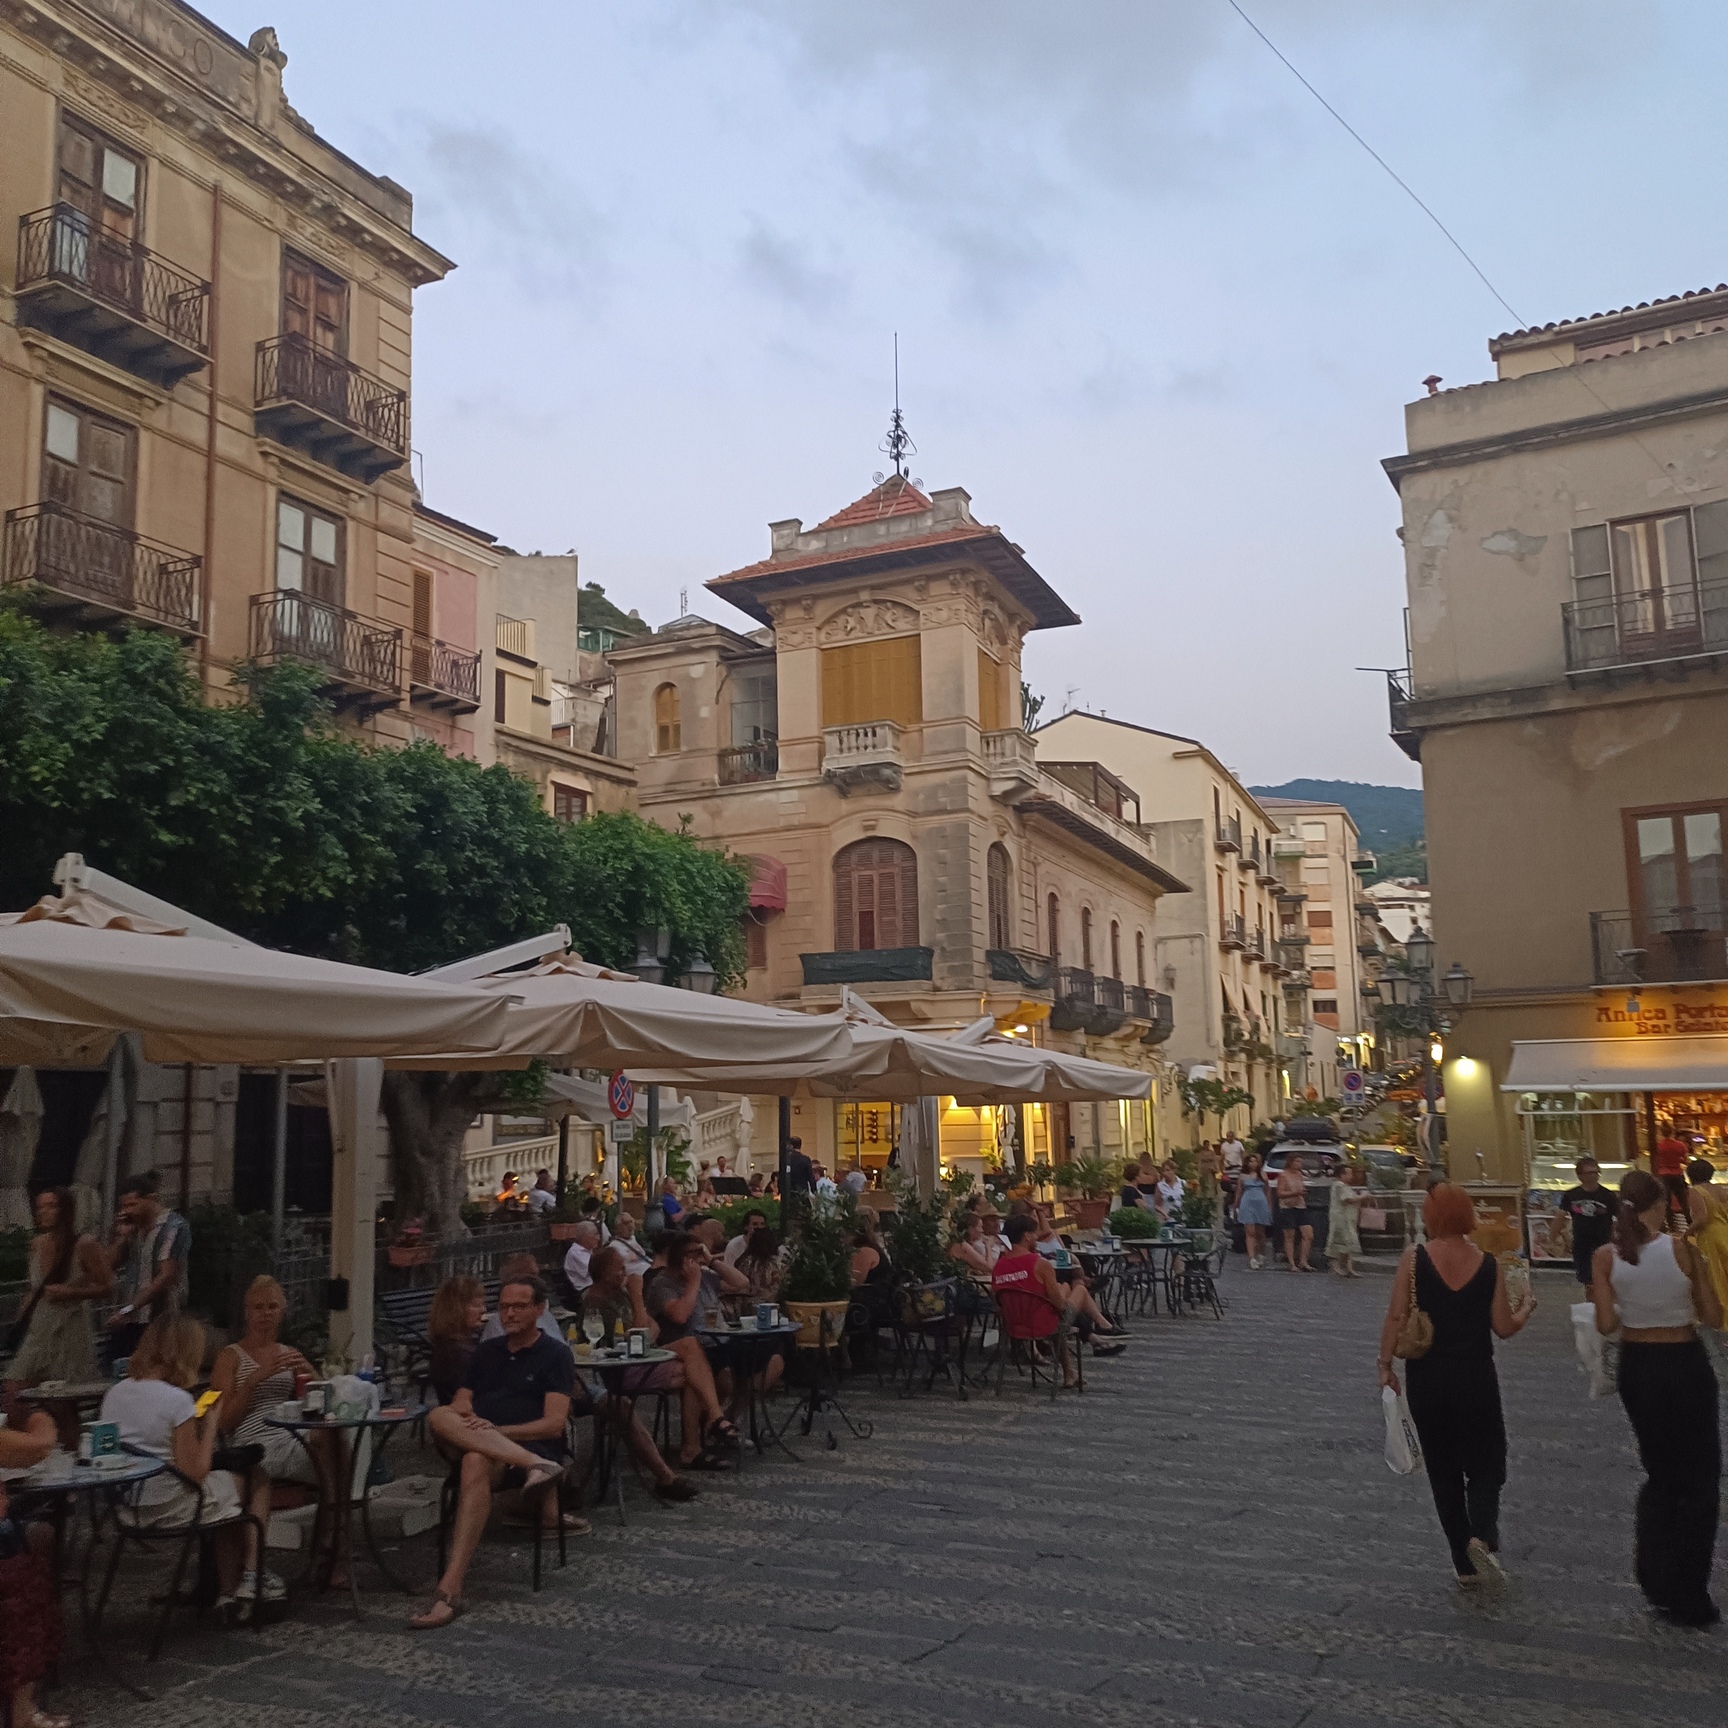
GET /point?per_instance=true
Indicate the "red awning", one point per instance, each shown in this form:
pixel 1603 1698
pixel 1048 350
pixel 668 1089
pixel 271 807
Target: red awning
pixel 768 885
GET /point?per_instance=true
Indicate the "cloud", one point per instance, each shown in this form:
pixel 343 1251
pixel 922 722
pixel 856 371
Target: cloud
pixel 781 266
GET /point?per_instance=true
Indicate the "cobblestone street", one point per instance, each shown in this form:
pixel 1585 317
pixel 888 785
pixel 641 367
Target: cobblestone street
pixel 1208 1536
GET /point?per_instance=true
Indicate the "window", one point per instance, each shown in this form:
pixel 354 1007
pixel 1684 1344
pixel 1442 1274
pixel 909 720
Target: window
pixel 755 940
pixel 992 694
pixel 1086 938
pixel 755 709
pixel 875 896
pixel 569 803
pixel 866 681
pixel 997 870
pixel 308 551
pixel 1324 979
pixel 1053 929
pixel 1674 863
pixel 1659 583
pixel 668 728
pixel 1115 949
pixel 500 698
pixel 87 463
pixel 1326 1009
pixel 1140 958
pixel 105 185
pixel 1318 920
pixel 1314 836
pixel 314 304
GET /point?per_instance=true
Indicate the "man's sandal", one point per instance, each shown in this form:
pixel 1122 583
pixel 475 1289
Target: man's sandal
pixel 423 1621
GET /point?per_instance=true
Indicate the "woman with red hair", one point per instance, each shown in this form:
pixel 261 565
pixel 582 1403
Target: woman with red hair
pixel 1454 1391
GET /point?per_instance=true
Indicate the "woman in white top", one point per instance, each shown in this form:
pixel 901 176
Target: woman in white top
pixel 1654 1289
pixel 1170 1192
pixel 156 1415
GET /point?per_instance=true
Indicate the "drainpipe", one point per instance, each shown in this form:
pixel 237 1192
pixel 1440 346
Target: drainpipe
pixel 210 428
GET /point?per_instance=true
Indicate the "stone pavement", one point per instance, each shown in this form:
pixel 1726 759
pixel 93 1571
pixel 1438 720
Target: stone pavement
pixel 1208 1536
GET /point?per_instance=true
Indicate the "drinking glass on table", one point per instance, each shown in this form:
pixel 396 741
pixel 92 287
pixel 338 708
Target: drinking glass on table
pixel 593 1327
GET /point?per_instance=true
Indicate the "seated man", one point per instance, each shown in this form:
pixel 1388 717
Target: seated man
pixel 518 1266
pixel 584 1239
pixel 617 1299
pixel 507 1423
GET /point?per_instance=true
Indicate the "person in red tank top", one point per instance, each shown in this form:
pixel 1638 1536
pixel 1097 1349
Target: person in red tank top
pixel 1035 1297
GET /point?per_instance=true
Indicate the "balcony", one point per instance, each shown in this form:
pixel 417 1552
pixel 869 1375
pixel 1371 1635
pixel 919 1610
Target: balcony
pixel 1364 864
pixel 1012 760
pixel 1251 857
pixel 1017 966
pixel 1292 1046
pixel 1291 896
pixel 1669 945
pixel 1287 846
pixel 361 659
pixel 440 676
pixel 1624 631
pixel 1254 943
pixel 1160 1019
pixel 1398 700
pixel 1099 787
pixel 1235 932
pixel 1080 1005
pixel 318 402
pixel 869 756
pixel 869 966
pixel 745 764
pixel 1228 835
pixel 111 297
pixel 99 575
pixel 1298 981
pixel 515 637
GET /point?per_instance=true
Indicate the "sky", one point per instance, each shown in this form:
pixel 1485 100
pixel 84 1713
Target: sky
pixel 1157 312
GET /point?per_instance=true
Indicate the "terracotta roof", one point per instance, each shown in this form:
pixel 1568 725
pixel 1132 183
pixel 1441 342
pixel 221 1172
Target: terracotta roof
pixel 848 554
pixel 1571 324
pixel 896 496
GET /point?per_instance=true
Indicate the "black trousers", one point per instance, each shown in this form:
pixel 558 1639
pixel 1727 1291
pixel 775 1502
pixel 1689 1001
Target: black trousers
pixel 1455 1405
pixel 1669 1391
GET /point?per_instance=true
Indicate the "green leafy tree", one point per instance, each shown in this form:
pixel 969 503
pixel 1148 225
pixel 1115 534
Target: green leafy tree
pixel 1203 1098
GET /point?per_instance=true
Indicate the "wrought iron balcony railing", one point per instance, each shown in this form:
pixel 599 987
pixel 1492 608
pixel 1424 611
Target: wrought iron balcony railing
pixel 743 763
pixel 1162 1020
pixel 361 659
pixel 1235 931
pixel 1228 837
pixel 1664 945
pixel 110 295
pixel 99 571
pixel 1680 623
pixel 327 406
pixel 442 676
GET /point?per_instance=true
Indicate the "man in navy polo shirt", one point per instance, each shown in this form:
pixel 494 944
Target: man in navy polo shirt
pixel 507 1422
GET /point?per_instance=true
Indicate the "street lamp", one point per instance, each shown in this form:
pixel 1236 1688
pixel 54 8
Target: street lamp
pixel 1419 950
pixel 652 948
pixel 700 976
pixel 1399 988
pixel 1460 985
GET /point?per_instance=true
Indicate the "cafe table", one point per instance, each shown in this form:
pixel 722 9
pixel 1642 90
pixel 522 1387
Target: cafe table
pixel 751 1348
pixel 611 1366
pixel 58 1483
pixel 87 1395
pixel 338 1500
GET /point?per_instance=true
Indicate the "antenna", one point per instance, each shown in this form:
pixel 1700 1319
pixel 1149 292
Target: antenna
pixel 898 445
pixel 683 602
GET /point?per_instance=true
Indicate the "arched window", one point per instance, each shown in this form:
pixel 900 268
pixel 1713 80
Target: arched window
pixel 1086 938
pixel 1140 958
pixel 668 729
pixel 875 896
pixel 996 872
pixel 1115 949
pixel 1053 931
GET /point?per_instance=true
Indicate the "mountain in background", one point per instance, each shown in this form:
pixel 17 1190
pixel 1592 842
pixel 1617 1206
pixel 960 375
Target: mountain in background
pixel 1388 818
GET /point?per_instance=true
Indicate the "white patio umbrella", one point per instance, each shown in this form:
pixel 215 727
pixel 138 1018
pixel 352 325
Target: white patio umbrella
pixel 75 970
pixel 20 1129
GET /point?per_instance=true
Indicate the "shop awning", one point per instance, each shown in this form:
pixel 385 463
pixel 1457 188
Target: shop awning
pixel 1618 1065
pixel 767 883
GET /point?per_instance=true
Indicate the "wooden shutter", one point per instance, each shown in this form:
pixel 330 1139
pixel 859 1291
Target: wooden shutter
pixel 845 912
pixel 314 304
pixel 1053 909
pixel 422 602
pixel 87 463
pixel 992 691
pixel 865 681
pixel 875 896
pixel 996 881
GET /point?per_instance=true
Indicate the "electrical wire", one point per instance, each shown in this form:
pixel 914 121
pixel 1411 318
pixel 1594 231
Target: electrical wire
pixel 1519 320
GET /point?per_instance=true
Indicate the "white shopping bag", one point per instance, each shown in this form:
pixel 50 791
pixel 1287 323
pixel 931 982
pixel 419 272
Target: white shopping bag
pixel 1403 1449
pixel 1599 1357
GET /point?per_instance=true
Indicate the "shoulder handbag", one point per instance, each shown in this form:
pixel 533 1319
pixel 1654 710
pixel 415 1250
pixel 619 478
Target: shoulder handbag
pixel 1416 1336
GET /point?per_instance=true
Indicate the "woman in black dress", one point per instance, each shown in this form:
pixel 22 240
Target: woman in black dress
pixel 1454 1391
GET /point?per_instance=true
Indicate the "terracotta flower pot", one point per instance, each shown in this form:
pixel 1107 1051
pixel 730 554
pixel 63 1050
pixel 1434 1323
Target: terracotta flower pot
pixel 410 1254
pixel 564 1232
pixel 809 1318
pixel 1091 1213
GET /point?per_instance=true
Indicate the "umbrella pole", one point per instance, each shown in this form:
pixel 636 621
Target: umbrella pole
pixel 653 1141
pixel 279 1164
pixel 354 1086
pixel 563 1155
pixel 785 1133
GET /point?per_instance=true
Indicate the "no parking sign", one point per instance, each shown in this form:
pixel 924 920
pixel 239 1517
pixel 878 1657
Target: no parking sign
pixel 621 1095
pixel 1352 1084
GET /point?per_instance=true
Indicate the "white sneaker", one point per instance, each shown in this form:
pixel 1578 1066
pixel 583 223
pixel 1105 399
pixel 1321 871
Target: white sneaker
pixel 273 1589
pixel 1487 1563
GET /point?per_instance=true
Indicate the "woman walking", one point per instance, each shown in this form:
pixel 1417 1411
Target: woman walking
pixel 1709 1232
pixel 1454 1390
pixel 1292 1222
pixel 1654 1289
pixel 1343 1239
pixel 1254 1208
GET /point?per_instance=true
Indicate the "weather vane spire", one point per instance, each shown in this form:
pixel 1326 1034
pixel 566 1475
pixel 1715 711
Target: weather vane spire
pixel 898 445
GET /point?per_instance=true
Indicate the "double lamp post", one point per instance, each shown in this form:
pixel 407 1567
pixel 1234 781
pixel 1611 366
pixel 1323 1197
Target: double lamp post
pixel 1426 1011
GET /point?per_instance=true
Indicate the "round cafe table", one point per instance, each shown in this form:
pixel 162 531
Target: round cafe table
pixel 751 1346
pixel 336 1505
pixel 611 1370
pixel 86 1394
pixel 57 1483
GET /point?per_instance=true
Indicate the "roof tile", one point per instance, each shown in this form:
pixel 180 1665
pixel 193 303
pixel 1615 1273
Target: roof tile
pixel 896 496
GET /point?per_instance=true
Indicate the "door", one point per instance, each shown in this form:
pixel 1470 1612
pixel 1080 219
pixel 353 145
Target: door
pixel 315 308
pixel 1675 871
pixel 95 240
pixel 875 896
pixel 87 469
pixel 1656 585
pixel 308 570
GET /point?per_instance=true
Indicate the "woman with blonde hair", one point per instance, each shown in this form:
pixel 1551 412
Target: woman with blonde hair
pixel 155 1414
pixel 1654 1289
pixel 1454 1390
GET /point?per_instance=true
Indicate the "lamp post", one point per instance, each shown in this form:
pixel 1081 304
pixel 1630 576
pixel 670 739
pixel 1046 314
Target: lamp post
pixel 1413 990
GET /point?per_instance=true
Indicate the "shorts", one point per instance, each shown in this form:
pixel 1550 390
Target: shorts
pixel 221 1497
pixel 661 1377
pixel 1291 1218
pixel 285 1459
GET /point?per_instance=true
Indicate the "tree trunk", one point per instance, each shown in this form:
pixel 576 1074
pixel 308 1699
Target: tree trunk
pixel 428 1116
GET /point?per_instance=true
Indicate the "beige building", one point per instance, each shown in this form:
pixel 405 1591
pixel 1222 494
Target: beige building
pixel 1238 998
pixel 864 748
pixel 205 346
pixel 1566 550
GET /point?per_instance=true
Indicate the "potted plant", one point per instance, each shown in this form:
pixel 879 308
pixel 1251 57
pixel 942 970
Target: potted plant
pixel 1133 1224
pixel 1092 1179
pixel 817 1280
pixel 566 1215
pixel 918 1247
pixel 410 1248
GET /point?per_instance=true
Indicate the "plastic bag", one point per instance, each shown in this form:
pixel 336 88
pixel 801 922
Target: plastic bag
pixel 1599 1357
pixel 1403 1449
